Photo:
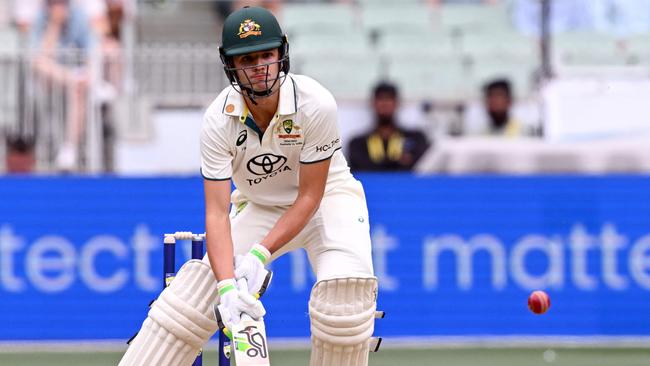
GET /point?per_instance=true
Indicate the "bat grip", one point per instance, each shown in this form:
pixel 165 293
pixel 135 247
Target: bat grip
pixel 243 286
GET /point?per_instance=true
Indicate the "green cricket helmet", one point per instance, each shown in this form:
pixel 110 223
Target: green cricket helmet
pixel 253 29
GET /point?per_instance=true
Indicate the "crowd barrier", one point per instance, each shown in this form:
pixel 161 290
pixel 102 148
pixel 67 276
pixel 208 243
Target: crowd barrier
pixel 81 258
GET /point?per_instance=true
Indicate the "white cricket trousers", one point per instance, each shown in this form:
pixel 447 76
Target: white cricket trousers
pixel 336 239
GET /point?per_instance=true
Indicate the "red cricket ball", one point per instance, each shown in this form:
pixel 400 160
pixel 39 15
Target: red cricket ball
pixel 539 302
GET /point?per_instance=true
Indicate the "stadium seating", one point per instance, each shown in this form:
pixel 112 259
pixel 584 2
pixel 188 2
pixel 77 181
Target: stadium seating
pixel 314 19
pixel 507 55
pixel 442 53
pixel 319 45
pixel 443 78
pixel 520 71
pixel 509 42
pixel 405 18
pixel 638 43
pixel 587 49
pixel 638 49
pixel 347 76
pixel 472 18
pixel 394 45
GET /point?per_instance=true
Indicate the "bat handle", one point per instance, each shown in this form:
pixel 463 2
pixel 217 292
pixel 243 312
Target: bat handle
pixel 243 286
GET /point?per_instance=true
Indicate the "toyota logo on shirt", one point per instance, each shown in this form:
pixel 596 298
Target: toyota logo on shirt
pixel 266 164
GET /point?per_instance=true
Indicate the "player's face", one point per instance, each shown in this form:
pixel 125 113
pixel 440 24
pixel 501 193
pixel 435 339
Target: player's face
pixel 258 70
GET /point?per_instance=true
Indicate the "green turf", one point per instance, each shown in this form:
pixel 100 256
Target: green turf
pixel 392 357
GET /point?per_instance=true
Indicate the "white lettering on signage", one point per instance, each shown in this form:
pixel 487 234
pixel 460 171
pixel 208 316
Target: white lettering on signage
pixel 464 253
pixel 50 264
pixel 575 250
pixel 9 244
pixel 553 277
pixel 639 262
pixel 105 263
pixel 612 242
pixel 580 242
pixel 109 245
pixel 143 245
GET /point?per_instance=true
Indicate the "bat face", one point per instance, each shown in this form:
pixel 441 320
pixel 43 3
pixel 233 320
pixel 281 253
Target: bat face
pixel 249 343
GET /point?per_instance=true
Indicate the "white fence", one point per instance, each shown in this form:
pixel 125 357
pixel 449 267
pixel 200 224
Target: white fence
pixel 79 100
pixel 53 99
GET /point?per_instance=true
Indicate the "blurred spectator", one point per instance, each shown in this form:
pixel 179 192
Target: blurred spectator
pixel 20 154
pixel 62 39
pixel 566 15
pixel 26 12
pixel 495 116
pixel 387 147
pixel 116 12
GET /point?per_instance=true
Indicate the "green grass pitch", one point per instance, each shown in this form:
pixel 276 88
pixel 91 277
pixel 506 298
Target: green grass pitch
pixel 386 357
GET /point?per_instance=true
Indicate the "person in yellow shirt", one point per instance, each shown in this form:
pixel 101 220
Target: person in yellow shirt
pixel 495 116
pixel 388 147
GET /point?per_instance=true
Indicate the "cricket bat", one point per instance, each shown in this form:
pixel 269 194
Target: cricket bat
pixel 249 343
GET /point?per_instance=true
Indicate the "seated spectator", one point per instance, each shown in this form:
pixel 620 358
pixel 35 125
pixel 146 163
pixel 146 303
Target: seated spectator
pixel 62 39
pixel 19 157
pixel 387 147
pixel 496 115
pixel 26 12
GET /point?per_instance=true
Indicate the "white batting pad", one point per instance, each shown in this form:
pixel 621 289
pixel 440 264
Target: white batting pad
pixel 342 313
pixel 180 321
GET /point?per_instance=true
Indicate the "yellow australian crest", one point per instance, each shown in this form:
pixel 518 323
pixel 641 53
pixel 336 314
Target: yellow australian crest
pixel 249 28
pixel 287 125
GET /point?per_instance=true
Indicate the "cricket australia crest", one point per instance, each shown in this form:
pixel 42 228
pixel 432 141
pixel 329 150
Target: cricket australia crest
pixel 287 125
pixel 249 28
pixel 289 133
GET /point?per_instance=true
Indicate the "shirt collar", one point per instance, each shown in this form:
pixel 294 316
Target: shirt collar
pixel 288 104
pixel 288 98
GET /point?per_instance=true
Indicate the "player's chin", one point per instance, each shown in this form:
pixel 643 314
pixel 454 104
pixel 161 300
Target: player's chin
pixel 262 86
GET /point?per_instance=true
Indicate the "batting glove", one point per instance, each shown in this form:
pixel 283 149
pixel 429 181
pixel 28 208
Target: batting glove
pixel 250 267
pixel 233 304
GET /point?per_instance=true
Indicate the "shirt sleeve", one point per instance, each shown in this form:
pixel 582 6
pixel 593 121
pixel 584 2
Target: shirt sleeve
pixel 216 157
pixel 322 137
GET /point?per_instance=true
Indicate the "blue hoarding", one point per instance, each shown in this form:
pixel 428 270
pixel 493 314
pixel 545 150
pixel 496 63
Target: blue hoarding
pixel 80 258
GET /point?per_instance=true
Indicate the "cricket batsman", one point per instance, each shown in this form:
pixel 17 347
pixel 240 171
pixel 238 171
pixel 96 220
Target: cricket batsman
pixel 274 135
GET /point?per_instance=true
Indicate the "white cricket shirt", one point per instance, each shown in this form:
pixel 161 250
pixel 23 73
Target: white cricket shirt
pixel 265 167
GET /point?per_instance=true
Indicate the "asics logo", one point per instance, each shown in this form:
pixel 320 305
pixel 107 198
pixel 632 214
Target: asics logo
pixel 241 138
